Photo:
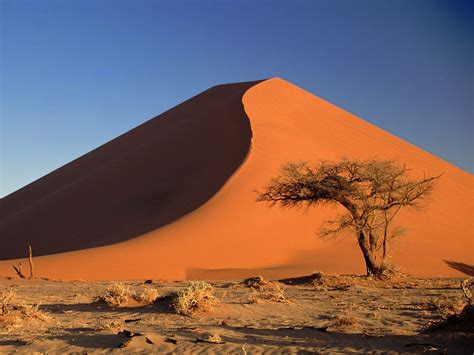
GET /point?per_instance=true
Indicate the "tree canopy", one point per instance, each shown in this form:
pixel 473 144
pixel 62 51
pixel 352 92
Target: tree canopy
pixel 372 192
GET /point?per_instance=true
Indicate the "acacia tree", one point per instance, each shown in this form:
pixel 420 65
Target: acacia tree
pixel 372 193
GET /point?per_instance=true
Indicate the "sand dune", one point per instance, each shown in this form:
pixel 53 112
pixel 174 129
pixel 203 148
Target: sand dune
pixel 138 182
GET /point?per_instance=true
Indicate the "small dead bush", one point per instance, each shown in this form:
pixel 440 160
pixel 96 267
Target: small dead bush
pixel 254 297
pixel 343 322
pixel 197 297
pixel 256 282
pixel 214 338
pixel 11 304
pixel 274 294
pixel 389 270
pixel 277 294
pixel 16 313
pixel 115 296
pixel 109 325
pixel 445 306
pixel 147 296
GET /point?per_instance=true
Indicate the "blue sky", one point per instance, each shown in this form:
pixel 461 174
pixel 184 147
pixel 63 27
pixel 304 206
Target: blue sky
pixel 75 74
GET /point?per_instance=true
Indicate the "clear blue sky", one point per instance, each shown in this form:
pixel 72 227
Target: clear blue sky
pixel 77 73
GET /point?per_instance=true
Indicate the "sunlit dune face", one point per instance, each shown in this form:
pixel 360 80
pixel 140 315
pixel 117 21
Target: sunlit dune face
pixel 231 235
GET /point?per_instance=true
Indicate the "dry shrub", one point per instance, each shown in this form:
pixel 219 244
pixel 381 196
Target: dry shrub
pixel 256 282
pixel 118 295
pixel 147 296
pixel 445 306
pixel 16 313
pixel 214 338
pixel 389 270
pixel 274 294
pixel 115 296
pixel 10 304
pixel 343 322
pixel 277 294
pixel 197 297
pixel 109 325
pixel 254 297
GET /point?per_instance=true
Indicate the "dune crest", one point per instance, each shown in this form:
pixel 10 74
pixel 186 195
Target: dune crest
pixel 231 235
pixel 136 183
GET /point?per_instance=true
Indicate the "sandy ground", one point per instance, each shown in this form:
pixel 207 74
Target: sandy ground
pixel 335 315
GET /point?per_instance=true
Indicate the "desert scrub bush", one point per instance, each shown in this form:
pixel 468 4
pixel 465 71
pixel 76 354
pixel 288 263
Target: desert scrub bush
pixel 109 325
pixel 197 297
pixel 254 297
pixel 147 296
pixel 214 338
pixel 389 271
pixel 274 294
pixel 11 304
pixel 445 306
pixel 343 322
pixel 277 294
pixel 115 296
pixel 16 313
pixel 256 282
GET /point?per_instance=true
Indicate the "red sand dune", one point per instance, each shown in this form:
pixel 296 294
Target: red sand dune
pixel 138 182
pixel 139 202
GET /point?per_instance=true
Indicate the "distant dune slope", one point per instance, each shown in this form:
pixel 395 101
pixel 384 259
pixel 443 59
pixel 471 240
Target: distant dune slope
pixel 231 235
pixel 140 181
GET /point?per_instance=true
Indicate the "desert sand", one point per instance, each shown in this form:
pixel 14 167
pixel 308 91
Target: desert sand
pixel 333 315
pixel 175 197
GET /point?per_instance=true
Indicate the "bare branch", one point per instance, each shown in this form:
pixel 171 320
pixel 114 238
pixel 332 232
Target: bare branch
pixel 372 192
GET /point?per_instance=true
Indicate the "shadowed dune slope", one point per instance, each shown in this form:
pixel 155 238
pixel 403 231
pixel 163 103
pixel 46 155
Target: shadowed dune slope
pixel 140 181
pixel 233 236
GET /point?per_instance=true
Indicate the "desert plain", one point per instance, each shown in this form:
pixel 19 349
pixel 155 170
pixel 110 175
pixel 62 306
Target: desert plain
pixel 328 314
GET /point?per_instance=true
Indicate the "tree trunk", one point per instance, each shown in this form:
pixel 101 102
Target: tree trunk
pixel 372 268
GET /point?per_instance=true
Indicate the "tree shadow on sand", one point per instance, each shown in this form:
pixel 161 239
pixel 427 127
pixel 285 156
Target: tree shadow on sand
pixel 462 267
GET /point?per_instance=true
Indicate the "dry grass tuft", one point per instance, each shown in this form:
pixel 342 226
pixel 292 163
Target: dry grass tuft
pixel 254 297
pixel 10 304
pixel 214 338
pixel 16 313
pixel 116 295
pixel 343 322
pixel 274 294
pixel 256 282
pixel 445 306
pixel 197 297
pixel 147 296
pixel 389 271
pixel 277 294
pixel 109 325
